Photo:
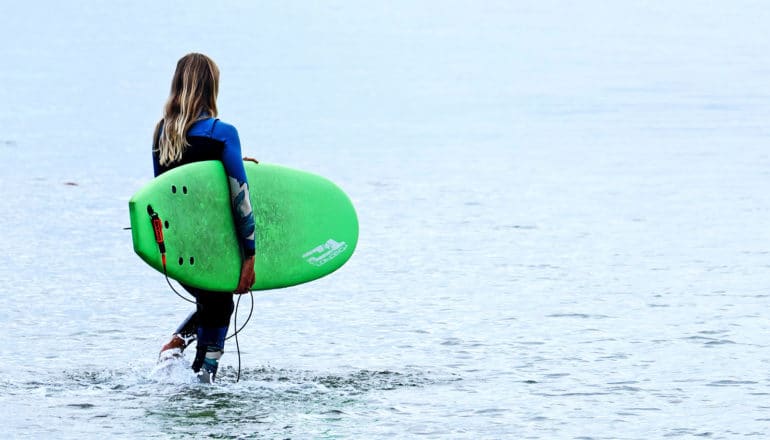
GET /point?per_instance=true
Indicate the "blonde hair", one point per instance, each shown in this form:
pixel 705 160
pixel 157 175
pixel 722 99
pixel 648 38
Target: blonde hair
pixel 193 97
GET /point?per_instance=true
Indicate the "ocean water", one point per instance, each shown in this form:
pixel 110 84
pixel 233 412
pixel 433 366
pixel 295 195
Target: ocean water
pixel 563 210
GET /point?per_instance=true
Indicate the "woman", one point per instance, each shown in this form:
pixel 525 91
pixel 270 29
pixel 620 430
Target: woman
pixel 189 132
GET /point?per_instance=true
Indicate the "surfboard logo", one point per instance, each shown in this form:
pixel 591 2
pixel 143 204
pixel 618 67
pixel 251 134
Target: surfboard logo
pixel 324 253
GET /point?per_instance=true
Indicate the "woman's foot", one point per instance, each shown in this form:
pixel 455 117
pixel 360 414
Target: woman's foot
pixel 174 347
pixel 206 363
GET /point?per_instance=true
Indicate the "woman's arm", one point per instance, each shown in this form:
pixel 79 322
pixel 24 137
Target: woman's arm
pixel 243 214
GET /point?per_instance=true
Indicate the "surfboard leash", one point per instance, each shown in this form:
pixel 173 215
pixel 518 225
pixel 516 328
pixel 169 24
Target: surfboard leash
pixel 238 330
pixel 157 227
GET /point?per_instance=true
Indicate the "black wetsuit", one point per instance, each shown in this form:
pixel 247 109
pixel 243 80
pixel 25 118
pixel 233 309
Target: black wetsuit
pixel 212 139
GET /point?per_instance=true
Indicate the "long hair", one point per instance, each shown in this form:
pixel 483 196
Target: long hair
pixel 193 97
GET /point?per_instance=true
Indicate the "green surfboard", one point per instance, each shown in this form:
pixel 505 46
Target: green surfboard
pixel 306 226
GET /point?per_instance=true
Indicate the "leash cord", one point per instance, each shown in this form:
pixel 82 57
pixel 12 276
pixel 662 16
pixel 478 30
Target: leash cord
pixel 238 330
pixel 158 230
pixel 172 287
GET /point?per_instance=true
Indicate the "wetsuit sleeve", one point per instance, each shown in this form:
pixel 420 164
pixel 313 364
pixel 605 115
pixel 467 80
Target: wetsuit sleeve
pixel 239 186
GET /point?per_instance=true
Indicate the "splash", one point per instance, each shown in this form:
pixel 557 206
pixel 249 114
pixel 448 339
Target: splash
pixel 175 370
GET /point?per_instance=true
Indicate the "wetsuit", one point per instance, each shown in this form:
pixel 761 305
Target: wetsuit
pixel 212 139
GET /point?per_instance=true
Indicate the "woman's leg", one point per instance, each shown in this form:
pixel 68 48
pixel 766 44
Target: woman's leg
pixel 182 337
pixel 213 319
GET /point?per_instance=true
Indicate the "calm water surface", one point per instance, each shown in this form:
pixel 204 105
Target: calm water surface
pixel 563 214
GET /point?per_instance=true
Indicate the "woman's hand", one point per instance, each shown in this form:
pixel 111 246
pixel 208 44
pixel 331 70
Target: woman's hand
pixel 250 159
pixel 247 276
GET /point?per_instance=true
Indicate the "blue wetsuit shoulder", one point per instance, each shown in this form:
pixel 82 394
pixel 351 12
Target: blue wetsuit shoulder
pixel 227 134
pixel 199 135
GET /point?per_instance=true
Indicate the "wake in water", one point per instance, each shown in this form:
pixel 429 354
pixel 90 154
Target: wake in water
pixel 174 377
pixel 270 402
